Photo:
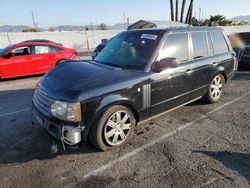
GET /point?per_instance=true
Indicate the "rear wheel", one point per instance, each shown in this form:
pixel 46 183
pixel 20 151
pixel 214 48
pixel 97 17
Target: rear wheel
pixel 215 89
pixel 113 128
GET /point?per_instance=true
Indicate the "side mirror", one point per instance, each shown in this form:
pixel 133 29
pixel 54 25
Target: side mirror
pixel 164 64
pixel 7 56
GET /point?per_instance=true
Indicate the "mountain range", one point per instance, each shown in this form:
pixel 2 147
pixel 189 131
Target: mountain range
pixel 241 18
pixel 119 26
pixel 20 28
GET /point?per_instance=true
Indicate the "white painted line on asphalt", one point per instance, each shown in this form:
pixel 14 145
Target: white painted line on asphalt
pixel 15 112
pixel 10 85
pixel 153 142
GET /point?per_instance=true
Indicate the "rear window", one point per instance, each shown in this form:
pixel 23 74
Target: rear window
pixel 56 49
pixel 219 42
pixel 200 48
pixel 42 49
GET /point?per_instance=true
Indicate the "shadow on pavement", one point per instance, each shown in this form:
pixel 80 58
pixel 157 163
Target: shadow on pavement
pixel 242 76
pixel 20 141
pixel 239 162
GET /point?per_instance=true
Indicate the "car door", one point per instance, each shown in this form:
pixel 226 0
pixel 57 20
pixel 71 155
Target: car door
pixel 172 87
pixel 44 58
pixel 203 62
pixel 18 62
pixel 224 56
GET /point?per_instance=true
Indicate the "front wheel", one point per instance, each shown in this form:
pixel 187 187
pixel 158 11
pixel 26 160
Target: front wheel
pixel 113 128
pixel 215 89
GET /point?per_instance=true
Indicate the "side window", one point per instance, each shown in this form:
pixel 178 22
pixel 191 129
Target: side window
pixel 219 42
pixel 200 48
pixel 42 49
pixel 210 45
pixel 55 49
pixel 176 46
pixel 21 51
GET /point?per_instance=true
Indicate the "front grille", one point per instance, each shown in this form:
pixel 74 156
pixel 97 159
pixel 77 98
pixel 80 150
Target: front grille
pixel 42 103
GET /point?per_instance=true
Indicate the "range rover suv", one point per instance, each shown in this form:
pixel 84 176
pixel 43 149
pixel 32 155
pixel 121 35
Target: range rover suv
pixel 139 75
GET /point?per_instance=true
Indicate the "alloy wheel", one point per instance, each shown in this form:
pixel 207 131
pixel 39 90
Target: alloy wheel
pixel 117 128
pixel 216 87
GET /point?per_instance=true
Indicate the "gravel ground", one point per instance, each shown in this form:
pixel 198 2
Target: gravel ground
pixel 198 145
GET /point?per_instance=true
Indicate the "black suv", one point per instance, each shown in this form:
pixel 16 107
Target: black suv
pixel 140 74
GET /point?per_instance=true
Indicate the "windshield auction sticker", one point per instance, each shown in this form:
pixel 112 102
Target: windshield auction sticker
pixel 149 36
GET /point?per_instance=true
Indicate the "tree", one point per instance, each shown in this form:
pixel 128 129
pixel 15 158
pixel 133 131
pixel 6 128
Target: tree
pixel 182 9
pixel 176 10
pixel 175 15
pixel 103 26
pixel 189 12
pixel 172 10
pixel 30 30
pixel 217 20
pixel 51 29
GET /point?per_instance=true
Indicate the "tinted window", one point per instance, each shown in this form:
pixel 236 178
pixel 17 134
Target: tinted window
pixel 42 49
pixel 24 50
pixel 176 46
pixel 200 48
pixel 130 50
pixel 55 49
pixel 210 45
pixel 219 42
pixel 245 37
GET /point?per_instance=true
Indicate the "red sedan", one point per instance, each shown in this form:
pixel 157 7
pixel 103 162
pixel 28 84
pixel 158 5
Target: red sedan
pixel 33 57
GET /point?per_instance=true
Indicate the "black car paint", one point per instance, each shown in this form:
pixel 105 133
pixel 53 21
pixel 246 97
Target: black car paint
pixel 148 94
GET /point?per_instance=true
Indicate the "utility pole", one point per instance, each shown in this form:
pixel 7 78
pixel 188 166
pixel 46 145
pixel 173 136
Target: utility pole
pixel 199 14
pixel 33 19
pixel 124 19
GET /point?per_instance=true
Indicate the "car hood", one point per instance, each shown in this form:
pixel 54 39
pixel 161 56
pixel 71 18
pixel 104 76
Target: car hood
pixel 78 81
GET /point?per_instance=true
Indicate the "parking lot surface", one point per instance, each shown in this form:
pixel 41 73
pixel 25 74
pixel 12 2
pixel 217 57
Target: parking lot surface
pixel 198 145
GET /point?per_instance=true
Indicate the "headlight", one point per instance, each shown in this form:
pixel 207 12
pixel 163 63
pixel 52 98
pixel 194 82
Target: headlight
pixel 66 111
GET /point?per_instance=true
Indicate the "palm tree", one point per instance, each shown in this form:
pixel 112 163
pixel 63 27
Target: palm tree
pixel 176 10
pixel 189 13
pixel 172 10
pixel 182 9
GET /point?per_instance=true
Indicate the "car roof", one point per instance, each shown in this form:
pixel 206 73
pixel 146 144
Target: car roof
pixel 41 40
pixel 38 43
pixel 179 29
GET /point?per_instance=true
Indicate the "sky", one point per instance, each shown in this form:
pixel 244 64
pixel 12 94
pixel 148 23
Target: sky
pixel 83 12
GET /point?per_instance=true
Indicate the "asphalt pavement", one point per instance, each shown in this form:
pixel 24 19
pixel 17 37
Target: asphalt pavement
pixel 199 145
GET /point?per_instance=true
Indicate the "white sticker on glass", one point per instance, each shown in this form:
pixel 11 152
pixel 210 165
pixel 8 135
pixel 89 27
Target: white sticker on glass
pixel 149 36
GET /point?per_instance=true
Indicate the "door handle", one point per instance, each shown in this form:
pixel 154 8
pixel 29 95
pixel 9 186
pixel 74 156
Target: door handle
pixel 189 71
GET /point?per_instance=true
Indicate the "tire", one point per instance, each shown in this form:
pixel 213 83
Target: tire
pixel 215 90
pixel 108 132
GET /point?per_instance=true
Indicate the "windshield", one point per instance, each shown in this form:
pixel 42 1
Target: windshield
pixel 4 50
pixel 130 50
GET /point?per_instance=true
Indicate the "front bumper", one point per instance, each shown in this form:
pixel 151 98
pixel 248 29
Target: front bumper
pixel 66 134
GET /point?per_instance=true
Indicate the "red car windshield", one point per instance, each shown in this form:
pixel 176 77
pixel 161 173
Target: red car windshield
pixel 4 50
